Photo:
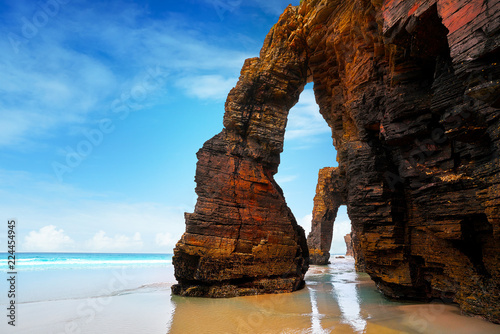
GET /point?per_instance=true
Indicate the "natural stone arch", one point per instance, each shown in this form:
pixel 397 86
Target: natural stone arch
pixel 331 194
pixel 242 238
pixel 411 96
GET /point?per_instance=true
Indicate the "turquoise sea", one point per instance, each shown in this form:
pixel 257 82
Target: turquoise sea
pixel 62 276
pixel 70 261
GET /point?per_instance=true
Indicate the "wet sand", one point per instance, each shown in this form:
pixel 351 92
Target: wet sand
pixel 335 300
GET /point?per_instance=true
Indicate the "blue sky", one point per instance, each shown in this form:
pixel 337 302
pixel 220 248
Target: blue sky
pixel 103 106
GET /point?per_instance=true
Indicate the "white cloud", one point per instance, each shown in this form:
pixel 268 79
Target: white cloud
pixel 120 242
pixel 81 213
pixel 340 229
pixel 48 239
pixel 214 87
pixel 281 179
pixel 37 202
pixel 305 222
pixel 166 239
pixel 41 94
pixel 304 120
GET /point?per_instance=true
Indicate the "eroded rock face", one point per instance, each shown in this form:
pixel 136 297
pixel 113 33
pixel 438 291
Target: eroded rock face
pixel 330 195
pixel 411 91
pixel 242 238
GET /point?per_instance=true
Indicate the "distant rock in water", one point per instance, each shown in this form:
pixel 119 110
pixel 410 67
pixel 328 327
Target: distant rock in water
pixel 411 91
pixel 348 244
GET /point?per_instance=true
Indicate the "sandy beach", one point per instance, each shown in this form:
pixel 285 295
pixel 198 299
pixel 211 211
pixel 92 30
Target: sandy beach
pixel 138 300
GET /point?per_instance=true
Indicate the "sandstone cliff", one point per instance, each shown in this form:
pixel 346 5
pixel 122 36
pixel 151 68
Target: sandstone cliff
pixel 411 92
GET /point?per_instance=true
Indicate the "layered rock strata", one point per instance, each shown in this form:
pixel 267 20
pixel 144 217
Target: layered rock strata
pixel 242 238
pixel 410 90
pixel 330 195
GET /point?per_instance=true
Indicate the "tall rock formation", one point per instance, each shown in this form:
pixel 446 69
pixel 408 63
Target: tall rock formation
pixel 242 238
pixel 330 195
pixel 348 244
pixel 411 92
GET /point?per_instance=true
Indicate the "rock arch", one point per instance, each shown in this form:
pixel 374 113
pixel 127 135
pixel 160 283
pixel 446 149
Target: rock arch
pixel 242 238
pixel 331 193
pixel 410 90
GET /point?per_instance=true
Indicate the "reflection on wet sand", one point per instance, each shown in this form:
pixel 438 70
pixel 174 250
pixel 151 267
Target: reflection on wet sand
pixel 315 316
pixel 336 300
pixel 345 292
pixel 339 285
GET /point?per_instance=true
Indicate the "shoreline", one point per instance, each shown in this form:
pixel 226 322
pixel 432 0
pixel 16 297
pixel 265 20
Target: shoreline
pixel 335 299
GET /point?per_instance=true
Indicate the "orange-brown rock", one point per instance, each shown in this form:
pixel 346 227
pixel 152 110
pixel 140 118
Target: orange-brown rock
pixel 242 238
pixel 348 244
pixel 410 89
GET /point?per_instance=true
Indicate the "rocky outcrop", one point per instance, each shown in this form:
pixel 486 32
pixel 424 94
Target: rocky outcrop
pixel 348 244
pixel 330 195
pixel 411 92
pixel 242 238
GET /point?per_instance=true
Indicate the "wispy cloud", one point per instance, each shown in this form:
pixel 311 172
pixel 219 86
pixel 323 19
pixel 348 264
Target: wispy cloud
pixel 37 97
pixel 305 222
pixel 275 7
pixel 69 74
pixel 166 240
pixel 341 228
pixel 227 7
pixel 208 86
pixel 101 242
pixel 304 121
pixel 280 179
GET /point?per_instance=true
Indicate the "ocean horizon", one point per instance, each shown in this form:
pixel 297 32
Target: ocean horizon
pixel 27 261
